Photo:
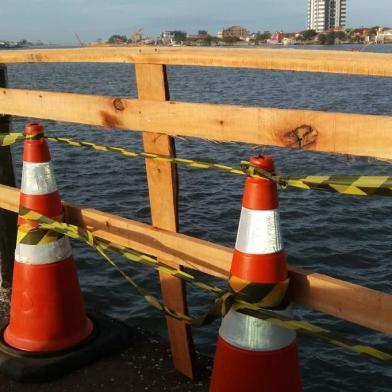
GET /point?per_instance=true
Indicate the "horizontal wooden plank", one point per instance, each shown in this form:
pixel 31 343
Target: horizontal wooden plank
pixel 344 133
pixel 166 245
pixel 360 305
pixel 347 62
pixel 345 300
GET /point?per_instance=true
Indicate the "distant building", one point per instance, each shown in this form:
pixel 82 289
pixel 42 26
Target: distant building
pixel 202 36
pixel 282 38
pixel 384 35
pixel 168 37
pixel 199 39
pixel 276 38
pixel 233 32
pixel 360 33
pixel 324 15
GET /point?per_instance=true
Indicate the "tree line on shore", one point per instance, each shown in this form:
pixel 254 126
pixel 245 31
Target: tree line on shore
pixel 348 35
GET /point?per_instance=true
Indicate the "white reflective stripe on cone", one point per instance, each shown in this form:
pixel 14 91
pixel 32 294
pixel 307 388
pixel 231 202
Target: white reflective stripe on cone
pixel 43 254
pixel 252 334
pixel 259 232
pixel 38 178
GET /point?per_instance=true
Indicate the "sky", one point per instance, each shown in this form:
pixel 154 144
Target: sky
pixel 57 21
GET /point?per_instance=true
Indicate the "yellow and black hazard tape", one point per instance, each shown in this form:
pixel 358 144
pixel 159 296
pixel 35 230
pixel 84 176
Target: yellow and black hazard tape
pixel 33 235
pixel 222 303
pixel 7 139
pixel 36 235
pixel 130 254
pixel 348 185
pixel 35 135
pixel 220 306
pixel 263 295
pixel 315 331
pixel 147 155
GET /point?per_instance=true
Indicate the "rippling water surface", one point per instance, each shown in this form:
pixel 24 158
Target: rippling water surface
pixel 343 236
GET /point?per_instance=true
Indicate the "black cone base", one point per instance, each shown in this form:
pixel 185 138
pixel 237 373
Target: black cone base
pixel 107 337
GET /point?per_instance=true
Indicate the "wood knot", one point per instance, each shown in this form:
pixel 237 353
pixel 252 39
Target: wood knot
pixel 118 104
pixel 300 137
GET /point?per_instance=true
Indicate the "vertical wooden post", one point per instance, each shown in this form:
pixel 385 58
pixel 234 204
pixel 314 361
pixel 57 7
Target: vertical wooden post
pixel 163 189
pixel 7 218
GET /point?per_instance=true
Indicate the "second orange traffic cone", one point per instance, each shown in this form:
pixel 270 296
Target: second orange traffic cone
pixel 252 354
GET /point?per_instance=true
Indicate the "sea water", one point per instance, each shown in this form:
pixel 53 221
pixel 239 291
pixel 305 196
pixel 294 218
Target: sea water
pixel 342 236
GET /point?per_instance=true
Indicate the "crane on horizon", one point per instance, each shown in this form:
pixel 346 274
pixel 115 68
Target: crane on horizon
pixel 81 43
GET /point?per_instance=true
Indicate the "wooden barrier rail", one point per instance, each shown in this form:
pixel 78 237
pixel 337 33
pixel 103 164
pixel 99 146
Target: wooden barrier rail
pixel 344 133
pixel 159 119
pixel 354 63
pixel 360 305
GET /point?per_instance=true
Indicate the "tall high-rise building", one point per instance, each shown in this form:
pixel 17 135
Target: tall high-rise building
pixel 326 15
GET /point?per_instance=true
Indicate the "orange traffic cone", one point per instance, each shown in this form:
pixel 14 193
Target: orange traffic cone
pixel 47 312
pixel 252 354
pixel 49 333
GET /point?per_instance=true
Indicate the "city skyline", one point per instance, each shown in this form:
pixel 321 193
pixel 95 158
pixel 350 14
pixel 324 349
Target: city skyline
pixel 59 21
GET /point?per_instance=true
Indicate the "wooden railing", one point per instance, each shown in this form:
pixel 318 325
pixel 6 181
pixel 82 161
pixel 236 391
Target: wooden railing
pixel 159 119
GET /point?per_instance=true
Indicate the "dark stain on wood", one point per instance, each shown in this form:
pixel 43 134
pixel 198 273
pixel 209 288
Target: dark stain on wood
pixel 301 137
pixel 110 121
pixel 37 58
